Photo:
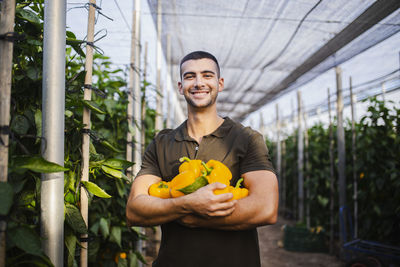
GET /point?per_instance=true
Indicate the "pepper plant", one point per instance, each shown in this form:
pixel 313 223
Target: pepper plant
pixel 111 242
pixel 377 168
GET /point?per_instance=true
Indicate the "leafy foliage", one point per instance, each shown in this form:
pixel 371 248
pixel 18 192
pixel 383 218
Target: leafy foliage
pixel 108 188
pixel 377 168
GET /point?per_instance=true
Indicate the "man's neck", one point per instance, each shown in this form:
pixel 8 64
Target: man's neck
pixel 202 124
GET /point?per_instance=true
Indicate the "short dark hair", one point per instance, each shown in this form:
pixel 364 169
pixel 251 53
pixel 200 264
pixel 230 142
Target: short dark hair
pixel 199 55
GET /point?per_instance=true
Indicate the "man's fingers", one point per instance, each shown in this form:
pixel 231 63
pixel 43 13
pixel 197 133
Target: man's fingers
pixel 216 185
pixel 222 212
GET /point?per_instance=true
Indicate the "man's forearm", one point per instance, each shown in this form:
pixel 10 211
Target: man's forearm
pixel 146 210
pixel 244 217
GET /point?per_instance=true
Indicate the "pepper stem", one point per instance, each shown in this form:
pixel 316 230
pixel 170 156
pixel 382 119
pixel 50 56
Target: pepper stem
pixel 184 159
pixel 208 169
pixel 239 182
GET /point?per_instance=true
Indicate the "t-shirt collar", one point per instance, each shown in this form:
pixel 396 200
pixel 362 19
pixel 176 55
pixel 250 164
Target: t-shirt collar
pixel 221 131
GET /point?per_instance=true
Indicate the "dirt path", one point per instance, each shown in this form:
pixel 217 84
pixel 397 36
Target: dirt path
pixel 272 255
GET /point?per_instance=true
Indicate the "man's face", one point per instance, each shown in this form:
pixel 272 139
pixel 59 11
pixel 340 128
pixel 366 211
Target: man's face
pixel 200 83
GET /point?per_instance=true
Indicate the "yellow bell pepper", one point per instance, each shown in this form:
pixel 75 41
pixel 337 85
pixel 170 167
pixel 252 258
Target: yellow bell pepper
pixel 237 191
pixel 217 172
pixel 180 181
pixel 160 189
pixel 193 165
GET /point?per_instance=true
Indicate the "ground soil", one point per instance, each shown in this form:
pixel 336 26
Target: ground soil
pixel 274 255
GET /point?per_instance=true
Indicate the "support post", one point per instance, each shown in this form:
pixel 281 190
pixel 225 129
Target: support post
pixel 307 169
pixel 340 143
pixel 300 159
pixel 354 153
pixel 159 122
pixel 143 130
pixel 278 147
pixel 169 89
pixel 7 16
pixel 332 180
pixel 87 96
pixel 53 107
pixel 137 153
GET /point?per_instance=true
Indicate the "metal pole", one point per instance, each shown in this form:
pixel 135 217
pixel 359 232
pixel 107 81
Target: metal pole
pixel 137 154
pixel 143 130
pixel 307 168
pixel 278 147
pixel 7 16
pixel 52 184
pixel 169 89
pixel 354 153
pixel 300 161
pixel 159 122
pixel 332 179
pixel 340 142
pixel 129 111
pixel 283 177
pixel 294 184
pixel 85 136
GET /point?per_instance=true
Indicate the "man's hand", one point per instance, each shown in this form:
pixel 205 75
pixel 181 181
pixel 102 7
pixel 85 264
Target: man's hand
pixel 205 203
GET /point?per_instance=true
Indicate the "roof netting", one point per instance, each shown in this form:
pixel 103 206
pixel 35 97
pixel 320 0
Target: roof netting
pixel 269 47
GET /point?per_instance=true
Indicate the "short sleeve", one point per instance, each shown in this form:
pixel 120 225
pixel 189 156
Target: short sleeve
pixel 149 161
pixel 257 156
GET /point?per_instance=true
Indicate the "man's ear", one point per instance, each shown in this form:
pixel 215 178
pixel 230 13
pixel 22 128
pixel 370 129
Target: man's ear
pixel 180 88
pixel 221 84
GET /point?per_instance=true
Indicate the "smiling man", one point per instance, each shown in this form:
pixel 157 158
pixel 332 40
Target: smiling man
pixel 204 229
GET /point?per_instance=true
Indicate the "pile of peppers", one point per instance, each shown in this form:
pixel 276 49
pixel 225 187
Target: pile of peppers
pixel 194 174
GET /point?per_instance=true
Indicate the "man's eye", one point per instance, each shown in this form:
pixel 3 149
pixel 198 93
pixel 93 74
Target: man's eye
pixel 189 76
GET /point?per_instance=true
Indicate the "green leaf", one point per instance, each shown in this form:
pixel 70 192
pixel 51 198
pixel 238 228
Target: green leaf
pixel 109 146
pixel 68 113
pixel 323 200
pixel 199 182
pixel 38 123
pixel 118 164
pixel 20 124
pixel 95 189
pixel 74 219
pixel 133 260
pixel 6 197
pixel 92 106
pixel 104 228
pixel 116 235
pixel 113 172
pixel 36 164
pixel 28 15
pixel 26 239
pixel 70 244
pixel 32 73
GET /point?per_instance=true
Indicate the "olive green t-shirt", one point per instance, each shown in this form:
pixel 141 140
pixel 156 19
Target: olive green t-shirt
pixel 242 150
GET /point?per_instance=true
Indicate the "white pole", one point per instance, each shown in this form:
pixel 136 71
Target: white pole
pixel 53 106
pixel 332 179
pixel 137 94
pixel 159 122
pixel 300 161
pixel 354 153
pixel 168 81
pixel 340 142
pixel 7 16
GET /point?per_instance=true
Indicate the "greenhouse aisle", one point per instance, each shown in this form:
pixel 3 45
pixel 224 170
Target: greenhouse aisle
pixel 274 255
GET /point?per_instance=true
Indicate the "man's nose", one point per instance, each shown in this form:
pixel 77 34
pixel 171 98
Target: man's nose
pixel 199 81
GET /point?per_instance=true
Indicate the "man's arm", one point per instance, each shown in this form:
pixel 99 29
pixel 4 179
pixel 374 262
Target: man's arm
pixel 145 210
pixel 259 208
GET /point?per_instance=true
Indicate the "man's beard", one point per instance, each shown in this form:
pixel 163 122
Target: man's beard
pixel 193 104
